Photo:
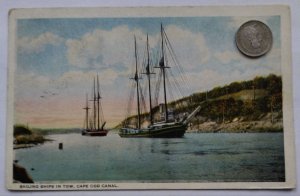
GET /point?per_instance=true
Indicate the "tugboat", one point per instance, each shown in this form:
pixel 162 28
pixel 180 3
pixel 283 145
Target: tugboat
pixel 92 125
pixel 166 128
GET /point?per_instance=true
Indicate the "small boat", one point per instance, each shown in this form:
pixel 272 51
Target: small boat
pixel 92 125
pixel 168 128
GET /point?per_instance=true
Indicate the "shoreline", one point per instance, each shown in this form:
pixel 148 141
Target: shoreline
pixel 20 146
pixel 30 145
pixel 237 127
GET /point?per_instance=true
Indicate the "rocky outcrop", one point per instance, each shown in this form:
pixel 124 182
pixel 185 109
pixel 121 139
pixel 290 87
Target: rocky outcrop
pixel 20 174
pixel 238 125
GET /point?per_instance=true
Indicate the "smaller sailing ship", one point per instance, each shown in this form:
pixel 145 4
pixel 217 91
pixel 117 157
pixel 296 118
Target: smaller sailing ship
pixel 92 123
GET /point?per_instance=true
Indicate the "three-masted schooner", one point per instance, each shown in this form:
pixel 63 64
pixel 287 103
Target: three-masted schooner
pixel 167 128
pixel 92 124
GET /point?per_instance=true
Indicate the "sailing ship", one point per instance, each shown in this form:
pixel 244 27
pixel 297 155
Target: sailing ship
pixel 92 125
pixel 168 128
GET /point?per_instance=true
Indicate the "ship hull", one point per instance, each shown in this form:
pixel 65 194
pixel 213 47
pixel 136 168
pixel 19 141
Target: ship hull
pixel 95 133
pixel 173 131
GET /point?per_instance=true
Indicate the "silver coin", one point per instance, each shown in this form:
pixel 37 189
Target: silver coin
pixel 254 38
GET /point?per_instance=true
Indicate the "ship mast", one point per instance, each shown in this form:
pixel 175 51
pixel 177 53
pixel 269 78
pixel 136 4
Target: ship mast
pixel 163 67
pixel 136 79
pixel 148 73
pixel 94 109
pixel 87 112
pixel 98 99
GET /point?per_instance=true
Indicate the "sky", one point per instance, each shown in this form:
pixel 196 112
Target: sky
pixel 57 60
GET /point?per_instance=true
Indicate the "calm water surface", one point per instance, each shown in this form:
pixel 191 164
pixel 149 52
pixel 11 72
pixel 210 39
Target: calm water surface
pixel 196 157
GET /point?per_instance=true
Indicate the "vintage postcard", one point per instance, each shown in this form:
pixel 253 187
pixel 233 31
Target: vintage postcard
pixel 150 98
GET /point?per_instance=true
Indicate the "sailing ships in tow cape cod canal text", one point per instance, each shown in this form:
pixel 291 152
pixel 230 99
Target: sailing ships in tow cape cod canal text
pixel 92 126
pixel 165 129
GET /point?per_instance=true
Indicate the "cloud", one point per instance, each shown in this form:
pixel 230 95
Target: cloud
pixel 231 59
pixel 205 79
pixel 101 48
pixel 72 83
pixel 38 44
pixel 25 82
pixel 226 57
pixel 76 79
pixel 190 48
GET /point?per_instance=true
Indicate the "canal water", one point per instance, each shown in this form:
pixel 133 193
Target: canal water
pixel 197 157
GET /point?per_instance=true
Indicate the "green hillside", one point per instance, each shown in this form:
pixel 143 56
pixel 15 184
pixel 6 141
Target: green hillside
pixel 248 99
pixel 245 95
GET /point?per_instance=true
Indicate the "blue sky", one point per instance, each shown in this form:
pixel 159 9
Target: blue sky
pixel 216 30
pixel 63 55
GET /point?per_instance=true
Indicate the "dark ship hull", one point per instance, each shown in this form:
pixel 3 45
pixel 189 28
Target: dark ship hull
pixel 174 130
pixel 94 133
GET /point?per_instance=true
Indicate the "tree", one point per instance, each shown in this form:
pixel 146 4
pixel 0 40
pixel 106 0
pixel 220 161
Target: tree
pixel 274 84
pixel 235 87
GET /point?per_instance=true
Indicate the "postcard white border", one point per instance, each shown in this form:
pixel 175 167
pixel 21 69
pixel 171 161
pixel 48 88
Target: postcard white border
pixel 289 149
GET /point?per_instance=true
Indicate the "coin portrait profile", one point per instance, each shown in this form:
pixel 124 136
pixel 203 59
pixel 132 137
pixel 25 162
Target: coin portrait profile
pixel 254 38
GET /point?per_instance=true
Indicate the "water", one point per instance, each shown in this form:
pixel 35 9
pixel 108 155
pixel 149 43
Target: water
pixel 207 157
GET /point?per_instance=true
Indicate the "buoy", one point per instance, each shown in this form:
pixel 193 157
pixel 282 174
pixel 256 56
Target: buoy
pixel 60 146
